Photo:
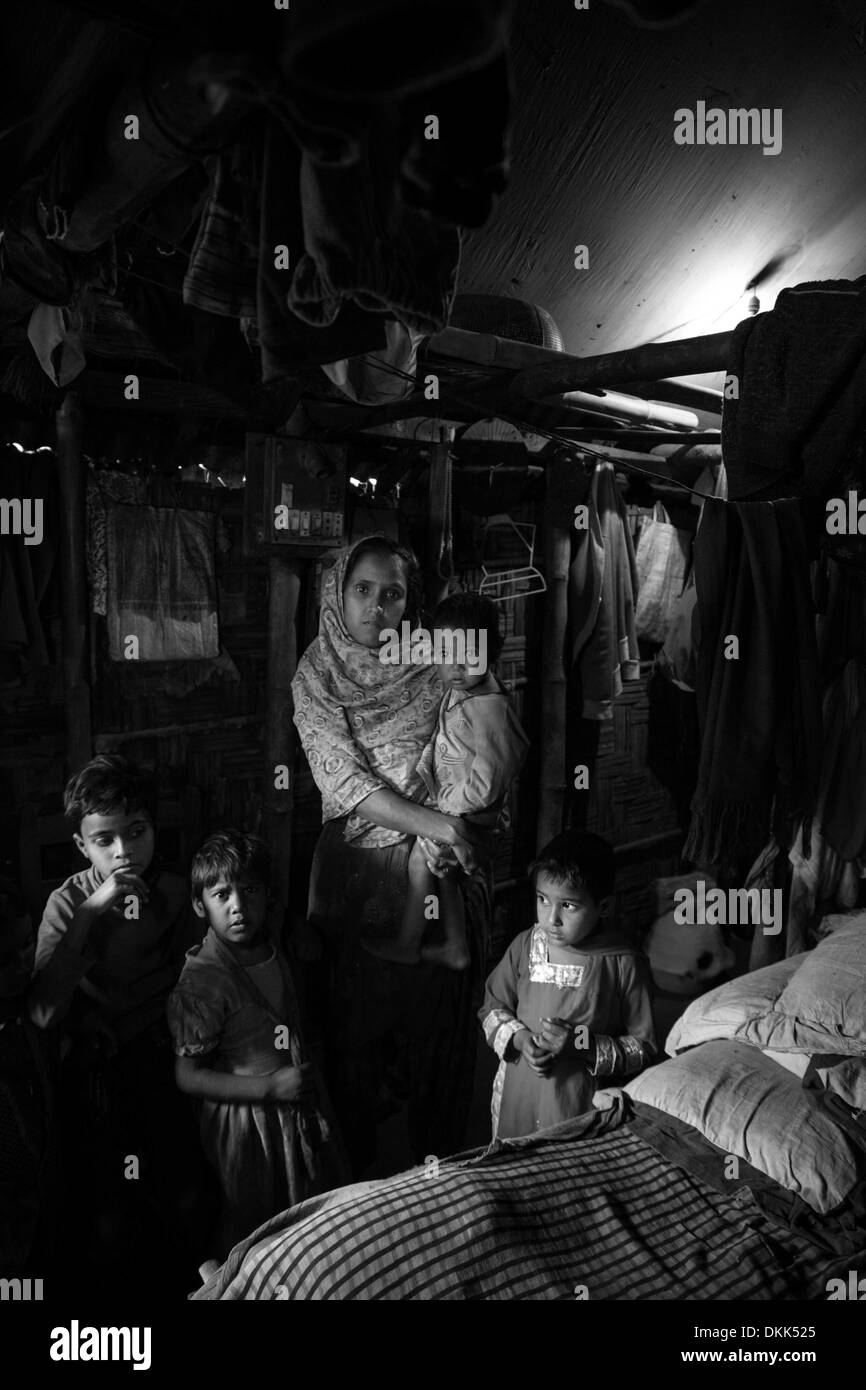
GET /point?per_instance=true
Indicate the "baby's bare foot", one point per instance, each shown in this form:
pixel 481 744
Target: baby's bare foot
pixel 452 954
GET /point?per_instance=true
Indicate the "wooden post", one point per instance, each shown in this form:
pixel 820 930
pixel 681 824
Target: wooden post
pixel 439 533
pixel 558 514
pixel 73 573
pixel 285 583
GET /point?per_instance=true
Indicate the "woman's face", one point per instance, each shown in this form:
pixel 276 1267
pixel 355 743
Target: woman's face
pixel 374 597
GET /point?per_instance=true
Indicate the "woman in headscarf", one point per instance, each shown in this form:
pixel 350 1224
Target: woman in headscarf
pixel 394 1032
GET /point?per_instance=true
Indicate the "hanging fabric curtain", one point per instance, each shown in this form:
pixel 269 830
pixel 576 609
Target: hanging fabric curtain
pixel 161 585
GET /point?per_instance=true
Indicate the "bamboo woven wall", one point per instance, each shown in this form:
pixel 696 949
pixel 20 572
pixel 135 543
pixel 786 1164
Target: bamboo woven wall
pixel 627 804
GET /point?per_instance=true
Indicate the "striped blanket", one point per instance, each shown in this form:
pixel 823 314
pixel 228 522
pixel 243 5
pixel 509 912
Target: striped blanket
pixel 564 1216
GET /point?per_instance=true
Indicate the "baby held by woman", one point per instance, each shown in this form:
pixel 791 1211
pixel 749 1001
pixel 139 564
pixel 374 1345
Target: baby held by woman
pixel 476 752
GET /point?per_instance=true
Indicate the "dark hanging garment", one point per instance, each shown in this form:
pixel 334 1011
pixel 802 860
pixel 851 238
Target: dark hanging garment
pixel 801 381
pixel 364 246
pixel 759 712
pixel 253 208
pixel 842 803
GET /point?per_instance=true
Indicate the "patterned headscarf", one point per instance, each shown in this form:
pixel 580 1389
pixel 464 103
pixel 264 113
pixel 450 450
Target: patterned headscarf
pixel 363 724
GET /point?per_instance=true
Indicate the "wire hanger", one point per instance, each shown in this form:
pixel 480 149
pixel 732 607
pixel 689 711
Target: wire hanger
pixel 518 581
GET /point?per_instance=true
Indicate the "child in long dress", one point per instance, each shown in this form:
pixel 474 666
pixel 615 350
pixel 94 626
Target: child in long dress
pixel 569 1003
pixel 263 1114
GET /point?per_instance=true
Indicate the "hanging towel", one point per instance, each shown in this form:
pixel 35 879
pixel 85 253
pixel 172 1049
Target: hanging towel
pixel 602 584
pixel 161 584
pixel 661 559
pixel 759 713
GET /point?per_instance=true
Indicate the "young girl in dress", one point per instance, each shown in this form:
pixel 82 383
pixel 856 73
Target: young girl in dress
pixel 569 1003
pixel 263 1112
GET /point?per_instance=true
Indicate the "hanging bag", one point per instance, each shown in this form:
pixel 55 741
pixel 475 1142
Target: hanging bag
pixel 662 562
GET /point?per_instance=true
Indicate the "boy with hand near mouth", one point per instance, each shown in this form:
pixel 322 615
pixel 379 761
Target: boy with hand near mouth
pixel 569 1003
pixel 264 1118
pixel 117 931
pixel 109 950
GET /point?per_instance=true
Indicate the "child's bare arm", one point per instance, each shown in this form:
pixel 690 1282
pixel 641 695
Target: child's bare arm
pixel 289 1085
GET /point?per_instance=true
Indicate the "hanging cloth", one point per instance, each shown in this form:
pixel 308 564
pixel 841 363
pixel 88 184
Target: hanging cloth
pixel 161 584
pixel 758 702
pixel 602 584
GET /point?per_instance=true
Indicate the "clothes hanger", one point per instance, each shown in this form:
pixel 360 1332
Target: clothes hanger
pixel 517 581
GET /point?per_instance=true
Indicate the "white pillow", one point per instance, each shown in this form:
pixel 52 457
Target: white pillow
pixel 742 1101
pixel 725 1010
pixel 823 1006
pixel 731 1010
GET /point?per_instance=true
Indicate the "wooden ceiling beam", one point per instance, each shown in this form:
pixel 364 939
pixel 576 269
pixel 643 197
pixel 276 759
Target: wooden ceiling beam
pixel 162 396
pixel 685 357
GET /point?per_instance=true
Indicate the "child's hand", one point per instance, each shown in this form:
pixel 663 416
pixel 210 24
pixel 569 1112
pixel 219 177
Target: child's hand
pixel 119 885
pixel 556 1035
pixel 537 1056
pixel 292 1085
pixel 439 858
